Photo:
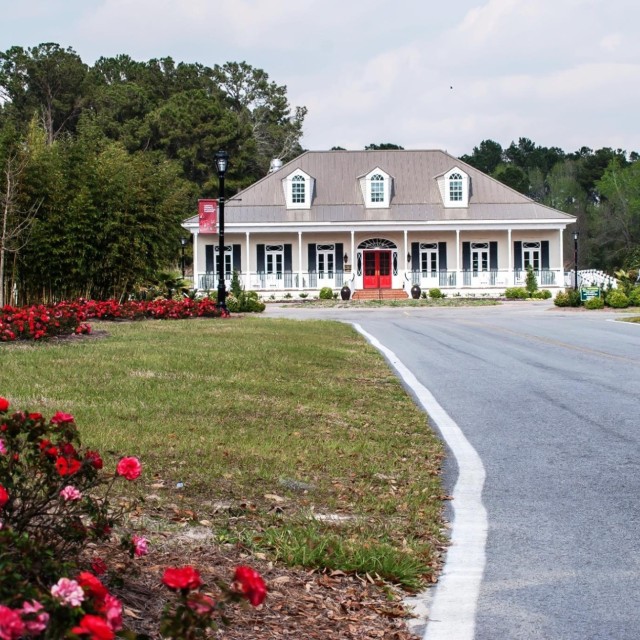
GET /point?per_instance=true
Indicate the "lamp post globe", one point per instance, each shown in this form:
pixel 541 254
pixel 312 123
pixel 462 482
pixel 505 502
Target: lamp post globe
pixel 222 161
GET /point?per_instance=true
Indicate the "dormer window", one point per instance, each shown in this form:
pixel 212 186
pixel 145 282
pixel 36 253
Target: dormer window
pixel 454 187
pixel 376 189
pixel 298 190
pixel 298 184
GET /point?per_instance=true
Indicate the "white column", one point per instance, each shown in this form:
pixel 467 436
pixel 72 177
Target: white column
pixel 247 278
pixel 510 276
pixel 195 259
pixel 561 277
pixel 354 261
pixel 458 265
pixel 406 251
pixel 299 259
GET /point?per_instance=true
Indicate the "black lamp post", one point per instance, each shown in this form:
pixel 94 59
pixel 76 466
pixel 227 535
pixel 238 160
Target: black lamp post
pixel 183 242
pixel 575 260
pixel 222 160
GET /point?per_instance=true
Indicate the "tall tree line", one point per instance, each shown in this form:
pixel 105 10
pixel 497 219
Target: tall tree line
pixel 100 163
pixel 601 188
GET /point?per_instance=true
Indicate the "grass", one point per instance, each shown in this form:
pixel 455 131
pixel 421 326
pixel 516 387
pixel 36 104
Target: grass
pixel 268 424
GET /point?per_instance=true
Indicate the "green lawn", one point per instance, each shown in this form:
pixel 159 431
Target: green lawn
pixel 267 423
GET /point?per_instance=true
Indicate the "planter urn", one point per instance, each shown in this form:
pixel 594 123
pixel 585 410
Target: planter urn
pixel 345 292
pixel 415 291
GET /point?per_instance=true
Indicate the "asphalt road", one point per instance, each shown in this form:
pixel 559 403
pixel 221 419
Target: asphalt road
pixel 550 400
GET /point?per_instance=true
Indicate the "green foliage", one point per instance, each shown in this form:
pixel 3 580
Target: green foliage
pixel 436 293
pixel 594 303
pixel 245 302
pixel 567 298
pixel 542 294
pixel 326 293
pixel 516 293
pixel 531 282
pixel 236 286
pixel 634 297
pixel 617 299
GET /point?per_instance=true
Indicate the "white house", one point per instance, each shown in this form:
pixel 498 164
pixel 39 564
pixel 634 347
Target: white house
pixel 382 220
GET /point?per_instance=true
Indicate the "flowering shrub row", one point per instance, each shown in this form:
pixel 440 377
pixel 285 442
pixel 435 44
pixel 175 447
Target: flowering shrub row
pixel 54 505
pixel 64 318
pixel 41 321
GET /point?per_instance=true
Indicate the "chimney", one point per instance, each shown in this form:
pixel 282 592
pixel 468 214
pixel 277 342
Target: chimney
pixel 275 165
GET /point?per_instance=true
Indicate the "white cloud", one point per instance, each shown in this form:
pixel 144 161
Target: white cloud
pixel 561 72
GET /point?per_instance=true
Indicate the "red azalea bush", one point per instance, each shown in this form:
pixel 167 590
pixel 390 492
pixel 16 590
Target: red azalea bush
pixel 38 322
pixel 54 503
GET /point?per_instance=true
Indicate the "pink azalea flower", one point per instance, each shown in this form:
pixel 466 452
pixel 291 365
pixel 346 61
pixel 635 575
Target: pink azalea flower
pixel 62 418
pixel 3 449
pixel 112 609
pixel 35 618
pixel 11 625
pixel 70 493
pixel 69 592
pixel 140 545
pixel 129 467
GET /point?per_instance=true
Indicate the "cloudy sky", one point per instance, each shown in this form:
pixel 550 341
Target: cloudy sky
pixel 418 73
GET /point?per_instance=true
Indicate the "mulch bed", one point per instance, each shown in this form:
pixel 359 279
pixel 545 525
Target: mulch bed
pixel 300 604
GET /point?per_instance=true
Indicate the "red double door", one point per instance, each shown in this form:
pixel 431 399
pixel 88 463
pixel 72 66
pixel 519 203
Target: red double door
pixel 377 269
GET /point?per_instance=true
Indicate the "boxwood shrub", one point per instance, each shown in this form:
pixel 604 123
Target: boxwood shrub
pixel 594 303
pixel 617 299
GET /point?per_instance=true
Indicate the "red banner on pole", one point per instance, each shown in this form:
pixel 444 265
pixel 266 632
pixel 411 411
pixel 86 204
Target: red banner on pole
pixel 208 216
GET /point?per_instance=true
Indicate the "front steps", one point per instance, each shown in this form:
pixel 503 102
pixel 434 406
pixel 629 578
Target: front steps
pixel 380 294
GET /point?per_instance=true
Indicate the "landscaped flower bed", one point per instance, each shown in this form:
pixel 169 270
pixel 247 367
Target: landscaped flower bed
pixel 56 513
pixel 38 322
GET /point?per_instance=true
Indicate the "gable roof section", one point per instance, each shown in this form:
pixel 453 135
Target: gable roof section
pixel 416 196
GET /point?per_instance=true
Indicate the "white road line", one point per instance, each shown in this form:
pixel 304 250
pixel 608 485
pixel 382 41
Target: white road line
pixel 452 613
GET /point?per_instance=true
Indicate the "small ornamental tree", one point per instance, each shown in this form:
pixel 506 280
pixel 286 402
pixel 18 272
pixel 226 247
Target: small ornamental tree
pixel 531 282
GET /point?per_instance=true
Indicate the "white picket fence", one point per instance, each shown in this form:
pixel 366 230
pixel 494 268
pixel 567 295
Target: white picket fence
pixel 590 278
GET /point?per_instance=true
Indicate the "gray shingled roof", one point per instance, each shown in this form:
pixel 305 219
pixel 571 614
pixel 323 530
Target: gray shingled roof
pixel 415 197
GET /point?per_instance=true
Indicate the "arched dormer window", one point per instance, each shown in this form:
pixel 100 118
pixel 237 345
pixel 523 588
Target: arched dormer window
pixel 298 190
pixel 376 189
pixel 298 184
pixel 454 186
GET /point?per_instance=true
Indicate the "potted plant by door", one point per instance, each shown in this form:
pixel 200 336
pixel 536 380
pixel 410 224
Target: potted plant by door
pixel 415 291
pixel 345 292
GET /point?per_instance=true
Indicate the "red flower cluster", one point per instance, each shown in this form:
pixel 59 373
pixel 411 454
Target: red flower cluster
pixel 44 321
pixel 130 468
pixel 41 321
pixel 179 578
pixel 250 584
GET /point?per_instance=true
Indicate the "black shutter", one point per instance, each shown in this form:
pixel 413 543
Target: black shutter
pixel 339 257
pixel 517 255
pixel 311 258
pixel 493 256
pixel 287 258
pixel 545 254
pixel 260 257
pixel 466 256
pixel 237 257
pixel 442 256
pixel 415 256
pixel 208 258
